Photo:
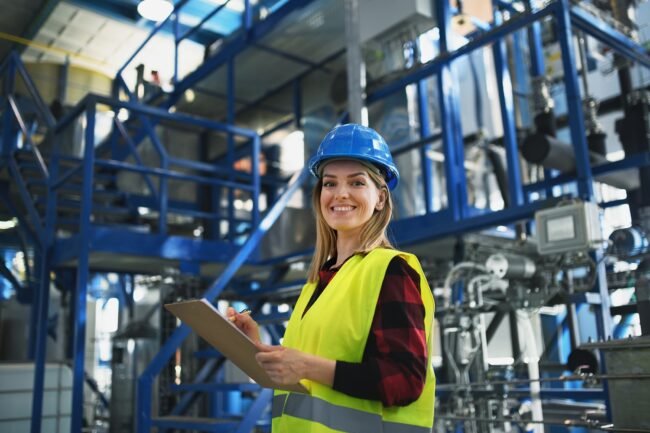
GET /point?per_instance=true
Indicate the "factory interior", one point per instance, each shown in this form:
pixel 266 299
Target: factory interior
pixel 155 151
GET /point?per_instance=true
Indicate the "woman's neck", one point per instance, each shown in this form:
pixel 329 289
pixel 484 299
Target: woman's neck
pixel 345 247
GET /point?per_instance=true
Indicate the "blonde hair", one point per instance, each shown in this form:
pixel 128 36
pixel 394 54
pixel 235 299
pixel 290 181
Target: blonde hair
pixel 373 234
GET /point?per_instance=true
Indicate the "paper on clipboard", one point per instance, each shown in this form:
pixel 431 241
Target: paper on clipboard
pixel 216 329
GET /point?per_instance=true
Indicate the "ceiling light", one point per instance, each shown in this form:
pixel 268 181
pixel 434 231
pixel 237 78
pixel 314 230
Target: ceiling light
pixel 155 10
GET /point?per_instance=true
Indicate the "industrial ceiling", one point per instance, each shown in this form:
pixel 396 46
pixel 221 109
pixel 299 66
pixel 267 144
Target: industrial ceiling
pixel 102 35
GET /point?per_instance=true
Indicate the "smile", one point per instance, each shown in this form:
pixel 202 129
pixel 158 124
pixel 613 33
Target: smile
pixel 342 208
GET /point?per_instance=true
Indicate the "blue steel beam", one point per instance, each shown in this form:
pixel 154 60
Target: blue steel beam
pixel 236 46
pixel 9 138
pixel 609 36
pixel 127 242
pixel 42 107
pixel 441 224
pixel 247 19
pixel 574 102
pixel 257 148
pixel 176 26
pixel 163 185
pixel 573 394
pixel 535 45
pixel 145 381
pixel 40 347
pixel 425 131
pixel 443 58
pixel 452 134
pixel 82 271
pixel 203 374
pixel 212 386
pixel 230 153
pixel 162 114
pixel 44 287
pixel 37 224
pixel 127 139
pixel 145 110
pixel 253 413
pixel 506 103
pixel 9 276
pixel 170 174
pixel 200 24
pixel 40 163
pixel 522 80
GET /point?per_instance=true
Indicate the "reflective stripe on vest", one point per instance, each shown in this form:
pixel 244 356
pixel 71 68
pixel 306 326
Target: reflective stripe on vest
pixel 337 417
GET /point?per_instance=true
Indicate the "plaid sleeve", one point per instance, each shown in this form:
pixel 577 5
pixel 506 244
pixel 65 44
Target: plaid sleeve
pixel 393 368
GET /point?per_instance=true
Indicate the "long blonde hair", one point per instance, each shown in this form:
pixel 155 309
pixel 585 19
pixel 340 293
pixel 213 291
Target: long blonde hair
pixel 373 234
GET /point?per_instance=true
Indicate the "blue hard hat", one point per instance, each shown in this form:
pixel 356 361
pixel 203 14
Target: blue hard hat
pixel 354 141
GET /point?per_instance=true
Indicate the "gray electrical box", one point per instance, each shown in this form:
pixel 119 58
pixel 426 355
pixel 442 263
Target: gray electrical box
pixel 573 227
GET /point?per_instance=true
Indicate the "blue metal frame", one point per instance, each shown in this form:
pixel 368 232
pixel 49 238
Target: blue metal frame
pixel 452 134
pixel 504 86
pixel 458 218
pixel 82 269
pixel 145 382
pixel 425 131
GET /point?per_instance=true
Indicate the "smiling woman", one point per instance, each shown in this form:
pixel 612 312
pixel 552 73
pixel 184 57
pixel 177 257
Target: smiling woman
pixel 359 337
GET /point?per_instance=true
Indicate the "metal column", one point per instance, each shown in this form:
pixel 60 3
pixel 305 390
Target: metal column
pixel 82 269
pixel 355 67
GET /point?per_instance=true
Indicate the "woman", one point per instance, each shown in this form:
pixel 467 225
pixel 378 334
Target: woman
pixel 359 337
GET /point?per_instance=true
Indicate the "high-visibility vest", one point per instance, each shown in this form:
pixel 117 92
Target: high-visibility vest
pixel 336 327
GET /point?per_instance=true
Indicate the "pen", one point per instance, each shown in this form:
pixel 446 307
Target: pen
pixel 244 311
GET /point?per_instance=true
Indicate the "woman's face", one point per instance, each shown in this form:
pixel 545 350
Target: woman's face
pixel 348 196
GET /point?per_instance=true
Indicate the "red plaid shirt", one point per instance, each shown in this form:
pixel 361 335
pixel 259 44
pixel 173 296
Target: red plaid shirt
pixel 394 364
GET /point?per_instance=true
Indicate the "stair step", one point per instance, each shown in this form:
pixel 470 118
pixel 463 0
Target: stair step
pixel 200 424
pixel 207 387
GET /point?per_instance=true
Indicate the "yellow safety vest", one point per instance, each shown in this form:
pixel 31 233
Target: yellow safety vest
pixel 336 327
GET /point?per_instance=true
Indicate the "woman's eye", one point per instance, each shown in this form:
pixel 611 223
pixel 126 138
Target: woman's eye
pixel 328 184
pixel 358 183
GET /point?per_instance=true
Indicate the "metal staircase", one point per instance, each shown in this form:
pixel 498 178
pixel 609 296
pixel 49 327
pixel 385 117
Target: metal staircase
pixel 74 196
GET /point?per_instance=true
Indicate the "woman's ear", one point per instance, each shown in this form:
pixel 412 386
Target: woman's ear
pixel 382 199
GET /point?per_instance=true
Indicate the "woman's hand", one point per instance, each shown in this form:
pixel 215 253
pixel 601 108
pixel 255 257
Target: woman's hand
pixel 287 366
pixel 245 323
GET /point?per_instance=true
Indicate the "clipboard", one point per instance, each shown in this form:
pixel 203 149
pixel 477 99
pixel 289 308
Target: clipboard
pixel 223 335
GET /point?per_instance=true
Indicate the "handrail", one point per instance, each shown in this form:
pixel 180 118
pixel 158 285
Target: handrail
pixel 135 154
pixel 31 88
pixel 166 173
pixel 12 118
pixel 149 116
pixel 145 381
pixel 28 136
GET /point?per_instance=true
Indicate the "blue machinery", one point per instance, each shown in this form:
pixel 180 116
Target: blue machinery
pixel 60 174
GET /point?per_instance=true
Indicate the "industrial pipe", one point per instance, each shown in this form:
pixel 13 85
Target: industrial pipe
pixel 552 153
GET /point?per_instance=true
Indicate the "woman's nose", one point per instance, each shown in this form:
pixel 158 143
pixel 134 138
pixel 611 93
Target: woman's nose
pixel 341 191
